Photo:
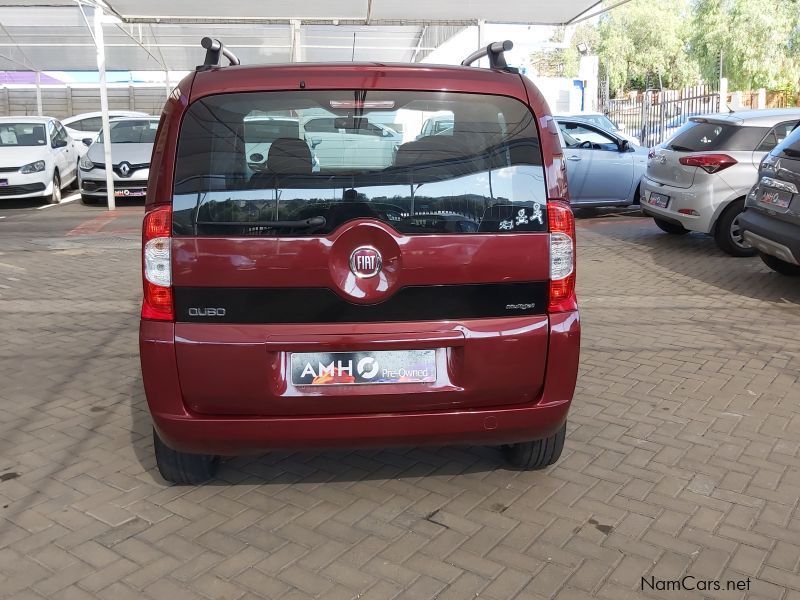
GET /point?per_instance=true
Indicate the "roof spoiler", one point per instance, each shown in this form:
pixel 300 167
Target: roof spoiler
pixel 496 53
pixel 215 50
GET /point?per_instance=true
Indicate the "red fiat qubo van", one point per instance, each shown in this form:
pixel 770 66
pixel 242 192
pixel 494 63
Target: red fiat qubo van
pixel 317 274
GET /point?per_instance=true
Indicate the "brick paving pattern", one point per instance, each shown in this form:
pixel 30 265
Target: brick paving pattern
pixel 682 455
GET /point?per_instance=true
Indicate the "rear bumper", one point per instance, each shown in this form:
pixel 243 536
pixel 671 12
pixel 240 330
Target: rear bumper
pixel 707 200
pixel 771 236
pixel 187 431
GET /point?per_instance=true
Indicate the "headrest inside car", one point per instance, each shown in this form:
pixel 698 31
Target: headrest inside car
pixel 289 156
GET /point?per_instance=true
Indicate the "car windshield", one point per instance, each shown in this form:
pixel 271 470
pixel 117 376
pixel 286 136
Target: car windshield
pixel 340 156
pixel 132 132
pixel 22 134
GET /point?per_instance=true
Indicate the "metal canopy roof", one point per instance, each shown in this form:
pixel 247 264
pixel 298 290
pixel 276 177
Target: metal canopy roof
pixel 165 35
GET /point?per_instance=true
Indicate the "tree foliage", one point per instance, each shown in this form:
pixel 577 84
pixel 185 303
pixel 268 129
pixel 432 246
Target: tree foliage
pixel 644 44
pixel 758 40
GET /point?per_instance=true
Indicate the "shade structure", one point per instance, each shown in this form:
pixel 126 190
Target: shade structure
pixel 164 35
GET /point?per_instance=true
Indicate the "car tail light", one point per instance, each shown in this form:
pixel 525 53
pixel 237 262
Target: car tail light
pixel 562 257
pixel 710 163
pixel 157 265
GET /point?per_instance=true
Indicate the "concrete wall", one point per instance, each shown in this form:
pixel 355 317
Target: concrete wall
pixel 66 101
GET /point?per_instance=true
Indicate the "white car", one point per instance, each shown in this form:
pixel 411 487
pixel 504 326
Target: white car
pixel 131 147
pixel 338 143
pixel 698 179
pixel 603 122
pixel 37 158
pixel 84 128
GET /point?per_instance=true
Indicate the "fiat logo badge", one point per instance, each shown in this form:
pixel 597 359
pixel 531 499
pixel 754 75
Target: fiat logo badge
pixel 365 262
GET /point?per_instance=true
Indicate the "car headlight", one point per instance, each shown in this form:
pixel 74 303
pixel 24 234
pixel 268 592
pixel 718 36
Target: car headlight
pixel 33 167
pixel 86 163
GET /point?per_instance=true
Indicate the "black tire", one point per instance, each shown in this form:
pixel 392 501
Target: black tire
pixel 183 468
pixel 780 266
pixel 75 182
pixel 537 454
pixel 673 228
pixel 55 197
pixel 728 232
pixel 89 200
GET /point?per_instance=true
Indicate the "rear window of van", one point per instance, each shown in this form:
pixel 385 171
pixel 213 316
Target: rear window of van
pixel 304 163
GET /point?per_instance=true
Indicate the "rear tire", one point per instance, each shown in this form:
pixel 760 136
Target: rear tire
pixel 728 232
pixel 55 197
pixel 780 266
pixel 537 454
pixel 673 228
pixel 181 467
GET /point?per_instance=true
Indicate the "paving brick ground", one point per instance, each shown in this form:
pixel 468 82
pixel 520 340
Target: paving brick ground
pixel 682 455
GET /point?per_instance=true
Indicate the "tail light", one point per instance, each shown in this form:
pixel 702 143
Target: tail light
pixel 156 265
pixel 562 257
pixel 710 163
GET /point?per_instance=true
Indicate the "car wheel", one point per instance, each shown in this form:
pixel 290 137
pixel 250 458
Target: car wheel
pixel 537 454
pixel 780 266
pixel 55 197
pixel 673 228
pixel 75 183
pixel 728 233
pixel 183 468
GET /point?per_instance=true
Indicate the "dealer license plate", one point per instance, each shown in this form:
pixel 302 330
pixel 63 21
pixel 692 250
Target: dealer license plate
pixel 776 198
pixel 659 200
pixel 129 193
pixel 357 368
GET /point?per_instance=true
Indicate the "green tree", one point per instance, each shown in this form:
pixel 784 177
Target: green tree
pixel 759 41
pixel 565 62
pixel 645 44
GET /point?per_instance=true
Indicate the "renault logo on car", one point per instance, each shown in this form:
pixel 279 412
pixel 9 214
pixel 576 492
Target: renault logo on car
pixel 124 169
pixel 365 262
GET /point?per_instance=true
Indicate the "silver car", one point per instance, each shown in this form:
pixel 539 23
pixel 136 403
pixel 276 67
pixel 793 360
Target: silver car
pixel 603 169
pixel 698 179
pixel 131 147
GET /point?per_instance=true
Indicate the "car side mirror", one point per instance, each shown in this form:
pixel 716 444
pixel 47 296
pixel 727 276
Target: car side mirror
pixel 623 145
pixel 315 141
pixel 385 133
pixel 59 143
pixel 87 141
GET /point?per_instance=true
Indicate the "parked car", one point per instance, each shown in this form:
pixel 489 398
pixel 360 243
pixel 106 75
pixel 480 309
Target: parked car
pixel 131 147
pixel 366 304
pixel 436 125
pixel 771 219
pixel 654 133
pixel 603 169
pixel 698 180
pixel 85 127
pixel 37 158
pixel 603 122
pixel 339 142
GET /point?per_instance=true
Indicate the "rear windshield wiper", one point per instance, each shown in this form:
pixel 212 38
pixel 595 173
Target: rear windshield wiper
pixel 680 148
pixel 310 223
pixel 791 152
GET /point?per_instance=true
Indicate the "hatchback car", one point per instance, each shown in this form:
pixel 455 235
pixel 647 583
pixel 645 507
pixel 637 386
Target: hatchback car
pixel 37 158
pixel 603 169
pixel 131 147
pixel 83 128
pixel 428 298
pixel 771 219
pixel 698 179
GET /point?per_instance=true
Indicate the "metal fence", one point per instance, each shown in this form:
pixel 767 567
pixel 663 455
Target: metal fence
pixel 65 101
pixel 653 115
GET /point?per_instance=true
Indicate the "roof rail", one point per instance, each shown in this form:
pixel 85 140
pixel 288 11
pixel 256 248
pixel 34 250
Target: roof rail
pixel 496 53
pixel 215 50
